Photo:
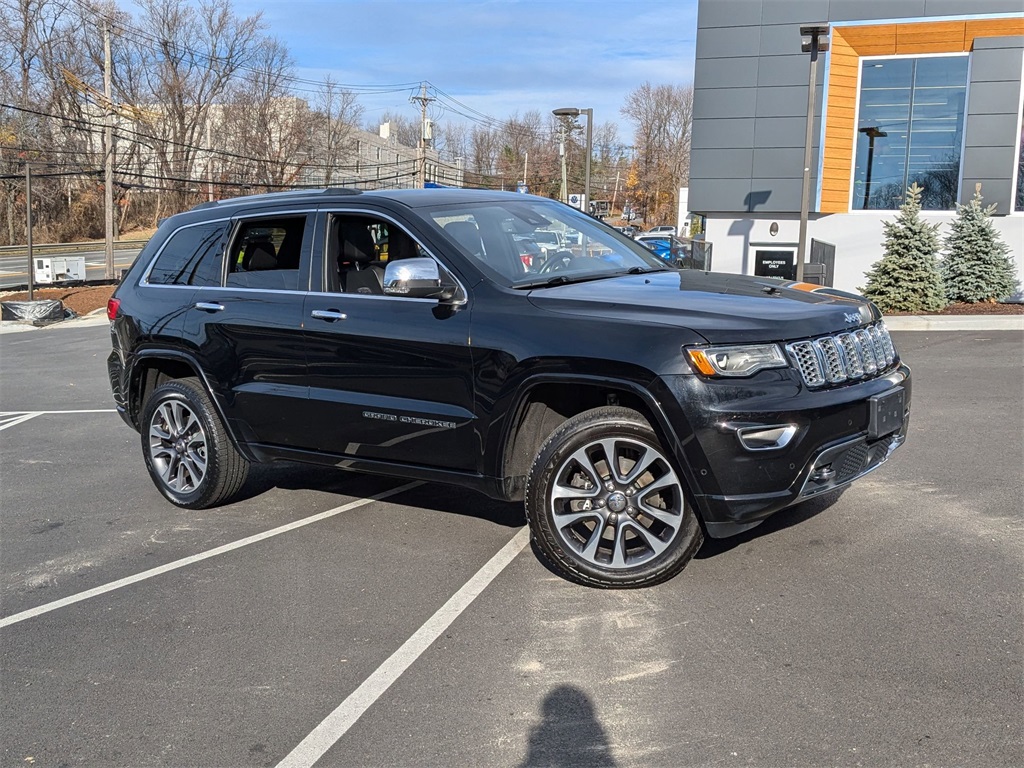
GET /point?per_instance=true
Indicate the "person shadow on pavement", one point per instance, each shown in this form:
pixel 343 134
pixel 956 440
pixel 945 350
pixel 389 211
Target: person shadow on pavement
pixel 570 735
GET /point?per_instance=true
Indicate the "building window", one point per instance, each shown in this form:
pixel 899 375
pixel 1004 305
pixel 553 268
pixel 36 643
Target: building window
pixel 910 129
pixel 1020 166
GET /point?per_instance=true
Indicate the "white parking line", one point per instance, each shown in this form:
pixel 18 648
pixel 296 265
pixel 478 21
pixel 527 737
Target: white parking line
pixel 161 569
pixel 14 418
pixel 8 420
pixel 336 724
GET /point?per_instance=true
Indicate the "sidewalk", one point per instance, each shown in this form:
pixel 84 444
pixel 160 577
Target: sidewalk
pixel 99 317
pixel 955 323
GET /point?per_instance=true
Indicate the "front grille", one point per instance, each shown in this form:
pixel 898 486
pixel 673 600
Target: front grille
pixel 843 357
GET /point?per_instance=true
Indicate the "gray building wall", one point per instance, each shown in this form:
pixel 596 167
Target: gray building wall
pixel 750 98
pixel 991 141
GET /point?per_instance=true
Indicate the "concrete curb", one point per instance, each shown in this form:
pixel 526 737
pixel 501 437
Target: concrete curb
pixel 955 322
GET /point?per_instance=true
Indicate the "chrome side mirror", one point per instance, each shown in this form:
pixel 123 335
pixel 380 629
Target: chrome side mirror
pixel 418 278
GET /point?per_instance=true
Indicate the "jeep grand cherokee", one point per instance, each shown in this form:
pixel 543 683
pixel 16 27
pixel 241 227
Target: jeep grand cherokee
pixel 631 406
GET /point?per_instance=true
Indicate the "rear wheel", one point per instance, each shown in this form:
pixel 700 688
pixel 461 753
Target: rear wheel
pixel 188 454
pixel 605 504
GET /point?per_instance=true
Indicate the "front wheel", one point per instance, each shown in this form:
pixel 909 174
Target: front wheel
pixel 605 504
pixel 188 453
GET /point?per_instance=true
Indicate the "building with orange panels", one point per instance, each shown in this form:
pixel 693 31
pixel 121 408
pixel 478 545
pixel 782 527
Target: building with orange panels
pixel 907 91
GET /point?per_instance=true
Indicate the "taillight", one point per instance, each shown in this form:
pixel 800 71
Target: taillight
pixel 112 306
pixel 527 260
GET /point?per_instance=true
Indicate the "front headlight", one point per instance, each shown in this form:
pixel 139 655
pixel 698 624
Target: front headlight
pixel 745 360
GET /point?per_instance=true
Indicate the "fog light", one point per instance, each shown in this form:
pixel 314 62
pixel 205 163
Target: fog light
pixel 822 474
pixel 766 438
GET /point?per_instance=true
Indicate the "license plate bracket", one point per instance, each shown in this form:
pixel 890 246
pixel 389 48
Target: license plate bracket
pixel 886 412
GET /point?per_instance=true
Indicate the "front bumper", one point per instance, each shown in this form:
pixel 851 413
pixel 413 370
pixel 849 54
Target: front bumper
pixel 835 442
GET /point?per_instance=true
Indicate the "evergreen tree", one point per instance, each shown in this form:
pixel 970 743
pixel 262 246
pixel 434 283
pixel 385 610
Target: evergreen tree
pixel 907 278
pixel 977 266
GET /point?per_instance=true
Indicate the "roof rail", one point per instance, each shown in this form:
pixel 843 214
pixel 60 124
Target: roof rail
pixel 277 195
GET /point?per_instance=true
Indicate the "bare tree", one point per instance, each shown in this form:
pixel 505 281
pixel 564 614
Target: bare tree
pixel 662 116
pixel 265 122
pixel 189 55
pixel 336 114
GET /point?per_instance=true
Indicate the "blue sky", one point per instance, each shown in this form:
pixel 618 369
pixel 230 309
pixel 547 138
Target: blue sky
pixel 498 57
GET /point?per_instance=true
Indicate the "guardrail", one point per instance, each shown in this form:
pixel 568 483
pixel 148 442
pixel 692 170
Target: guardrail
pixel 54 249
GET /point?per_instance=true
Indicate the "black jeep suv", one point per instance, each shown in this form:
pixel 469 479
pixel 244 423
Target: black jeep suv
pixel 633 407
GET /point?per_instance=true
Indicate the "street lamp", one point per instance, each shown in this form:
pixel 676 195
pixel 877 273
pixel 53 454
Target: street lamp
pixel 576 112
pixel 872 132
pixel 814 39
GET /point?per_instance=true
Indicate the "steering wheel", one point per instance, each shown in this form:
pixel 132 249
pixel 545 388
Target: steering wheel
pixel 557 261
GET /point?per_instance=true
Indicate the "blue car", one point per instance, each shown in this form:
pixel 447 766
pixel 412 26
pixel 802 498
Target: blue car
pixel 671 249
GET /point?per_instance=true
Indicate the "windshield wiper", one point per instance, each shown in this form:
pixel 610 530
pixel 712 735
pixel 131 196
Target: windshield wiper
pixel 550 282
pixel 645 270
pixel 588 276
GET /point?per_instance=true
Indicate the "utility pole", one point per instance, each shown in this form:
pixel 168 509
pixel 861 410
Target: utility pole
pixel 28 227
pixel 421 170
pixel 108 172
pixel 615 194
pixel 209 160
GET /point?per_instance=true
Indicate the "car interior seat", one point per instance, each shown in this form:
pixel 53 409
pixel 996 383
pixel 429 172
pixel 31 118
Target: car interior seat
pixel 365 274
pixel 466 234
pixel 259 255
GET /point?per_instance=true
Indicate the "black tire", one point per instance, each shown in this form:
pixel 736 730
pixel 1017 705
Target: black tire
pixel 615 523
pixel 188 453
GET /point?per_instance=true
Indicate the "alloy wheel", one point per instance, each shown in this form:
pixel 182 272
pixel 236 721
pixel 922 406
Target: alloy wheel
pixel 177 446
pixel 617 503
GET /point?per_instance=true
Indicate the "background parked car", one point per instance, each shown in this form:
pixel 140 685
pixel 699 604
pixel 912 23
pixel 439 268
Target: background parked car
pixel 548 240
pixel 663 229
pixel 677 252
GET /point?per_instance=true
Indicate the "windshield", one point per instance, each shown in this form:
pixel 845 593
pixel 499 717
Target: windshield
pixel 532 242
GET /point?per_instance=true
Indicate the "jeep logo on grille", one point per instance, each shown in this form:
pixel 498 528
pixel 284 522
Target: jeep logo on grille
pixel 852 317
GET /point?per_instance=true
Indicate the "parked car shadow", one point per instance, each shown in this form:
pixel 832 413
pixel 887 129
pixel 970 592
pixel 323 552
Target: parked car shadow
pixel 430 496
pixel 781 520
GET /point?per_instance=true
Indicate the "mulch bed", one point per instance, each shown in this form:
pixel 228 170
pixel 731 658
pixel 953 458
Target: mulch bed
pixel 981 308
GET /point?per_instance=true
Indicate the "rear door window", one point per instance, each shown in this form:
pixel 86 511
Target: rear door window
pixel 191 256
pixel 267 253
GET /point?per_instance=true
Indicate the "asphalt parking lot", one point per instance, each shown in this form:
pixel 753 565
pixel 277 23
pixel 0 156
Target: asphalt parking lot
pixel 411 625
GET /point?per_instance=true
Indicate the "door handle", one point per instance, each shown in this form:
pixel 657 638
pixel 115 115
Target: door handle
pixel 330 315
pixel 209 306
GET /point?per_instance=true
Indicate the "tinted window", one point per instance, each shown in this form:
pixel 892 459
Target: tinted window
pixel 358 250
pixel 504 238
pixel 910 128
pixel 192 256
pixel 1020 168
pixel 266 253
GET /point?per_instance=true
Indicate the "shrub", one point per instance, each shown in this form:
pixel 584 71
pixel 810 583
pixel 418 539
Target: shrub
pixel 977 264
pixel 907 277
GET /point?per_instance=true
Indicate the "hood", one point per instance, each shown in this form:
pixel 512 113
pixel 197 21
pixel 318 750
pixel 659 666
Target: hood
pixel 723 308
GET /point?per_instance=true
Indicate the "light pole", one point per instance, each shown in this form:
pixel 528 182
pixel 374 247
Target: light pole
pixel 872 132
pixel 811 42
pixel 576 112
